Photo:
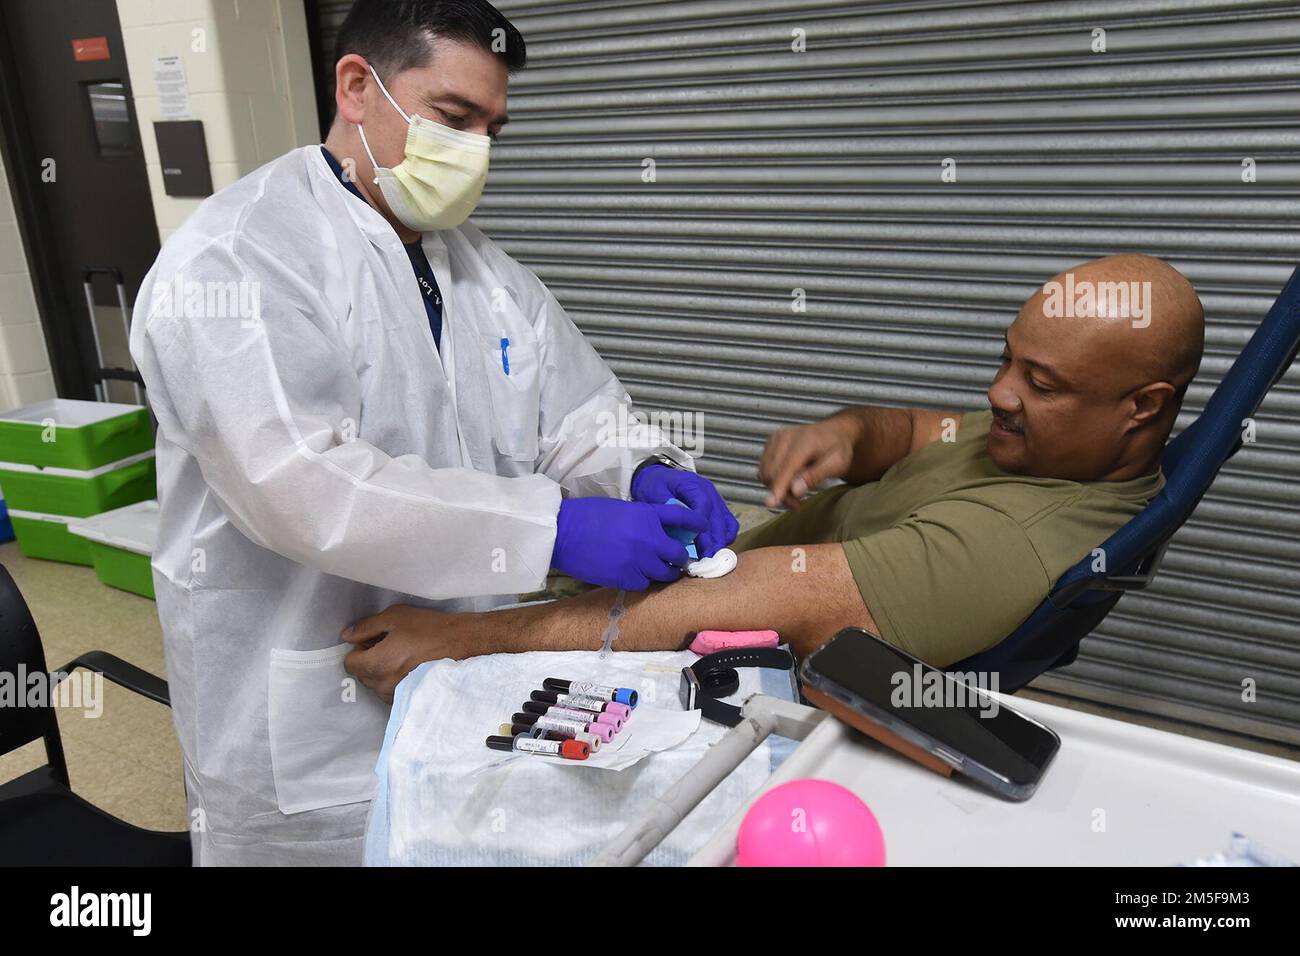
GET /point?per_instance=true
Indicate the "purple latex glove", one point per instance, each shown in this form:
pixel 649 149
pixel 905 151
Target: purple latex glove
pixel 621 544
pixel 657 483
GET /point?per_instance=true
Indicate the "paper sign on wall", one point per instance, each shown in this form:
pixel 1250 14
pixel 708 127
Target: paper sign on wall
pixel 173 92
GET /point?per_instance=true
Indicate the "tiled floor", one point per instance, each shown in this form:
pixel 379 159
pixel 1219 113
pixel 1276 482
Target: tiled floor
pixel 127 761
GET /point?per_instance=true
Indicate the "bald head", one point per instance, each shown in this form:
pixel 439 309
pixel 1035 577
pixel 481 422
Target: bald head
pixel 1146 319
pixel 1097 363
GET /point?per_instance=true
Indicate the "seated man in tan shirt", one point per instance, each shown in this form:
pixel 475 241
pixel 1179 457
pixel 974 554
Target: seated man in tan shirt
pixel 950 528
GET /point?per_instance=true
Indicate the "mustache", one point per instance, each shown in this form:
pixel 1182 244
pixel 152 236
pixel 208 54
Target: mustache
pixel 1009 422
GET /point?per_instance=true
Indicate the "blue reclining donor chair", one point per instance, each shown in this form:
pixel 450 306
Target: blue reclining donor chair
pixel 1050 636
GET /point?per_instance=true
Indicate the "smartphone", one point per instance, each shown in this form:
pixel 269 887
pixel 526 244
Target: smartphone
pixel 942 723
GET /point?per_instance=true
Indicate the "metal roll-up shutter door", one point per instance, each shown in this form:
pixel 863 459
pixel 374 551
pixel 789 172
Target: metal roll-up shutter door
pixel 778 170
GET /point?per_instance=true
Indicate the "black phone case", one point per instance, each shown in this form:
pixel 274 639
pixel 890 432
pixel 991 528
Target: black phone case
pixel 894 732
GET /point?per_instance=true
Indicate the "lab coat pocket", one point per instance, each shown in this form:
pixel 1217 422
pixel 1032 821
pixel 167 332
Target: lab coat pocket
pixel 514 382
pixel 325 728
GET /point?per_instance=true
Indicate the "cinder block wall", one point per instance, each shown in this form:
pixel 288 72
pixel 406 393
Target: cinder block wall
pixel 25 375
pixel 248 70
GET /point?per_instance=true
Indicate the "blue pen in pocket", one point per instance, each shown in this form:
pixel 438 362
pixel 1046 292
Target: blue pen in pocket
pixel 505 355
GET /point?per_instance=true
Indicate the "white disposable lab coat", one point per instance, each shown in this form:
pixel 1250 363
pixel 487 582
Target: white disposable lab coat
pixel 319 460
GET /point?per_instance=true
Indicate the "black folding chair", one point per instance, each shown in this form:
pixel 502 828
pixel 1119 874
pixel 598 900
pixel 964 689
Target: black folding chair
pixel 42 822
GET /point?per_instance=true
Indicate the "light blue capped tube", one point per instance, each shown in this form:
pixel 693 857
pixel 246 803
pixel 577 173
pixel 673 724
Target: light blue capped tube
pixel 685 535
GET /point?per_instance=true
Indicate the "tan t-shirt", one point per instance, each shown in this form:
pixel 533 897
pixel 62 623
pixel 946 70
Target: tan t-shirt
pixel 950 552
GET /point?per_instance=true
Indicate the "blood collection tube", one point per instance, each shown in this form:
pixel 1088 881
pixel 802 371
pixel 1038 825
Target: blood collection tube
pixel 581 703
pixel 533 746
pixel 553 710
pixel 583 688
pixel 513 730
pixel 570 728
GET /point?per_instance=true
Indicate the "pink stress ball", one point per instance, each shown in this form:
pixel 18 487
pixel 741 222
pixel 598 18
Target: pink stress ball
pixel 810 823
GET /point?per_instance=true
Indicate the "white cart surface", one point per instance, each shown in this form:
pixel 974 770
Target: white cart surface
pixel 1117 794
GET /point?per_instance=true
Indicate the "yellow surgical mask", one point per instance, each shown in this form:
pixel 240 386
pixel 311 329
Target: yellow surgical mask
pixel 439 180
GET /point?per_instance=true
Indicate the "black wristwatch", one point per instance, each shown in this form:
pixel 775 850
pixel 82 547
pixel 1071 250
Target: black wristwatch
pixel 715 676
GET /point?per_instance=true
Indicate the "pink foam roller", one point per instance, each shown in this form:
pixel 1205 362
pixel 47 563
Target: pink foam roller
pixel 710 642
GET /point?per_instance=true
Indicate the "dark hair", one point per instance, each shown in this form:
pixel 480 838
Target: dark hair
pixel 394 35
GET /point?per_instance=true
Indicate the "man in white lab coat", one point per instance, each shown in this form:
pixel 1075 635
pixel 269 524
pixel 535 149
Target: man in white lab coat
pixel 362 401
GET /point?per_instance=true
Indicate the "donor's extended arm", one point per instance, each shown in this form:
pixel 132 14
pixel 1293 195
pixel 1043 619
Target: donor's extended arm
pixel 804 593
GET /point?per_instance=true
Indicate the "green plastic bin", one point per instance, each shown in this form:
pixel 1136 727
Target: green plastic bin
pixel 121 545
pixel 79 494
pixel 48 537
pixel 68 433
